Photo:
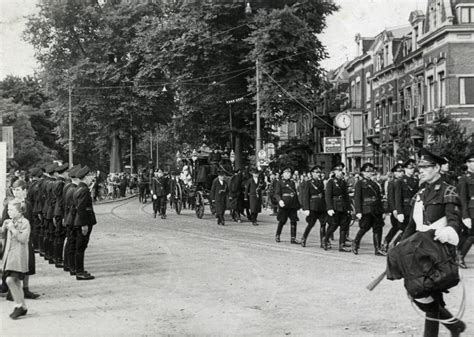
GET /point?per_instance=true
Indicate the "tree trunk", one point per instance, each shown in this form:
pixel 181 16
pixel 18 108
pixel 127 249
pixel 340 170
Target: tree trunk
pixel 239 158
pixel 115 157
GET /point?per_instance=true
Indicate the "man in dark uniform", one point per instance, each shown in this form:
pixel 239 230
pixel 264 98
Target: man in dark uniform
pixel 58 215
pixel 314 204
pixel 38 208
pixel 69 216
pixel 369 209
pixel 33 190
pixel 338 205
pixel 83 221
pixel 159 189
pixel 253 193
pixel 48 211
pixel 397 171
pixel 435 207
pixel 287 198
pixel 218 196
pixel 465 189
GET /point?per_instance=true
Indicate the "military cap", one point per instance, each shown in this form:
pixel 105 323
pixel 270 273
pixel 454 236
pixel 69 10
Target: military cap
pixel 470 155
pixel 73 170
pixel 339 164
pixel 427 158
pixel 36 172
pixel 81 173
pixel 62 168
pixel 287 168
pixel 316 168
pixel 366 166
pixel 409 162
pixel 396 167
pixel 51 168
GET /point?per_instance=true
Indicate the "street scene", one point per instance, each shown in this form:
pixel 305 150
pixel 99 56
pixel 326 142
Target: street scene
pixel 236 167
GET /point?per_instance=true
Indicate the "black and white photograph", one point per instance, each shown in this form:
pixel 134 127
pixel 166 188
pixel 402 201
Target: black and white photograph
pixel 236 168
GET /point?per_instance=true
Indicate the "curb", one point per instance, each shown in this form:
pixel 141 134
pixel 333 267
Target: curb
pixel 115 200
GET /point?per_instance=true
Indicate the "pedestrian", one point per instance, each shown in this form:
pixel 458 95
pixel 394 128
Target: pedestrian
pixel 253 193
pixel 159 189
pixel 15 259
pixel 83 221
pixel 218 196
pixel 369 210
pixel 436 207
pixel 271 193
pixel 397 172
pixel 314 204
pixel 338 207
pixel 287 197
pixel 69 216
pixel 465 189
pixel 236 195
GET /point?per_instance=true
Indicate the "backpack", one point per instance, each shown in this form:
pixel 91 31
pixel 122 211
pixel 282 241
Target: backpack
pixel 425 264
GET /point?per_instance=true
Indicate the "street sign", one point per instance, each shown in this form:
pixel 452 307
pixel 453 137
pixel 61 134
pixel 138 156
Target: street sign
pixel 7 134
pixel 262 154
pixel 332 144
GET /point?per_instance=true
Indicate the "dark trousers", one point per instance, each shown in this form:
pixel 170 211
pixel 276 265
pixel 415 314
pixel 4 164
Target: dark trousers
pixel 393 230
pixel 466 241
pixel 159 205
pixel 48 238
pixel 253 216
pixel 235 214
pixel 71 249
pixel 41 229
pixel 60 236
pixel 368 221
pixel 283 215
pixel 341 220
pixel 66 247
pixel 311 220
pixel 35 228
pixel 81 242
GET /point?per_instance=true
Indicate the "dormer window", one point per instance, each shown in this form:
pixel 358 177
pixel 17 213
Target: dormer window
pixel 465 13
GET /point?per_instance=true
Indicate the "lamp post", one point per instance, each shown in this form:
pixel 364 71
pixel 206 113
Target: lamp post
pixel 194 157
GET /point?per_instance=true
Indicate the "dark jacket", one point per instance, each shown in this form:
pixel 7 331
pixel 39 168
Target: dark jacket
pixel 159 186
pixel 235 192
pixel 312 196
pixel 404 190
pixel 368 197
pixel 286 190
pixel 82 199
pixel 219 194
pixel 253 193
pixel 465 190
pixel 69 209
pixel 337 195
pixel 59 197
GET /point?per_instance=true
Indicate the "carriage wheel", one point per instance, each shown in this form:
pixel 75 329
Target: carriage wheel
pixel 178 206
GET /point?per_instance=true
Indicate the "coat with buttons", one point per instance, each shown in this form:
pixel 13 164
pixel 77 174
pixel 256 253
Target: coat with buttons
pixel 286 190
pixel 404 190
pixel 368 197
pixel 82 199
pixel 15 257
pixel 218 195
pixel 465 189
pixel 253 193
pixel 312 196
pixel 337 195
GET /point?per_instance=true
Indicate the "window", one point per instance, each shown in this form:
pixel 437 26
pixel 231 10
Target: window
pixel 367 86
pixel 466 90
pixel 353 94
pixel 441 89
pixel 389 115
pixel 357 129
pixel 431 94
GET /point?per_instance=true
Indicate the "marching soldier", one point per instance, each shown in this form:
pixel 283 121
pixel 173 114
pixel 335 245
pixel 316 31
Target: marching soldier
pixel 253 193
pixel 435 207
pixel 83 221
pixel 159 190
pixel 69 217
pixel 218 196
pixel 369 209
pixel 58 214
pixel 287 198
pixel 466 194
pixel 338 205
pixel 314 204
pixel 397 171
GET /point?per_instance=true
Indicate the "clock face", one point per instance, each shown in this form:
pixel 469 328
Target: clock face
pixel 343 121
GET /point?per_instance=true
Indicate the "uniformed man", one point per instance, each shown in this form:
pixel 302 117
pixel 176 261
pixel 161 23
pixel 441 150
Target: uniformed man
pixel 48 208
pixel 69 217
pixel 159 189
pixel 465 189
pixel 218 196
pixel 339 206
pixel 436 207
pixel 83 221
pixel 287 198
pixel 397 171
pixel 33 190
pixel 314 204
pixel 253 193
pixel 58 215
pixel 369 209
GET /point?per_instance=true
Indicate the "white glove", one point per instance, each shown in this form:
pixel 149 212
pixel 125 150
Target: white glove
pixel 306 212
pixel 395 213
pixel 154 196
pixel 151 192
pixel 400 218
pixel 447 234
pixel 168 196
pixel 359 216
pixel 467 222
pixel 281 203
pixel 330 212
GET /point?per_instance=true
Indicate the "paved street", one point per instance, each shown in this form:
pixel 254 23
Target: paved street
pixel 184 276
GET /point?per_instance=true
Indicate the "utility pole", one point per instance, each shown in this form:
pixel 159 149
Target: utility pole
pixel 157 153
pixel 231 130
pixel 151 148
pixel 70 124
pixel 258 137
pixel 131 143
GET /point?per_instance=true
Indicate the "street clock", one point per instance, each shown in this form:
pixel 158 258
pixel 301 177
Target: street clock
pixel 343 120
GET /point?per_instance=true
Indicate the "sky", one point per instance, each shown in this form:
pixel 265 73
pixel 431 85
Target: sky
pixel 367 17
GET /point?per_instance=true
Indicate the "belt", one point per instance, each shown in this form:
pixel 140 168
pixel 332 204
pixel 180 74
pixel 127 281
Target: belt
pixel 288 194
pixel 338 197
pixel 319 195
pixel 370 199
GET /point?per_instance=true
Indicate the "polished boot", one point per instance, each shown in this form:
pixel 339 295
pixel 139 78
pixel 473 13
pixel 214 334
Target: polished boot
pixel 294 241
pixel 462 263
pixel 355 247
pixel 303 241
pixel 431 327
pixel 377 249
pixel 293 235
pixel 342 240
pixel 322 234
pixel 456 327
pixel 277 238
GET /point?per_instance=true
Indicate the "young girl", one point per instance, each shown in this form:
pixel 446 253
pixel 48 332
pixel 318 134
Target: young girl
pixel 15 259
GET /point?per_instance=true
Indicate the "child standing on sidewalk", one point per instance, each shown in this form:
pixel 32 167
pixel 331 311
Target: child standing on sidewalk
pixel 15 259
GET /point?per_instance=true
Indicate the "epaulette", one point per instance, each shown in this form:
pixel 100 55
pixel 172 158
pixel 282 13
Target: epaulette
pixel 450 196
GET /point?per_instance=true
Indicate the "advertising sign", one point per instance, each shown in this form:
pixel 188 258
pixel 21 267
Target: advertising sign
pixel 332 144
